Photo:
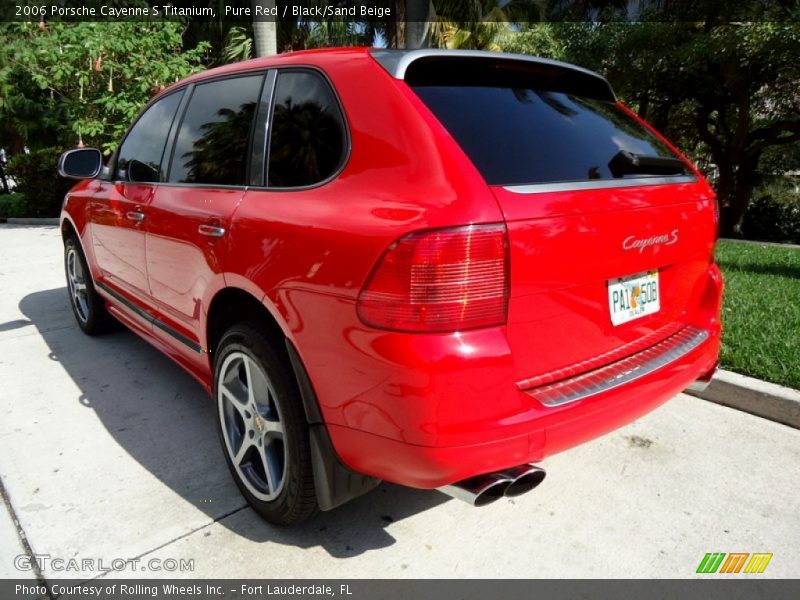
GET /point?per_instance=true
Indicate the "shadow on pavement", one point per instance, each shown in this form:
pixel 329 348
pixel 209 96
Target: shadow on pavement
pixel 12 325
pixel 163 418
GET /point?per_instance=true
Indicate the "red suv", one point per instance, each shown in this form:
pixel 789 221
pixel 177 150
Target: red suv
pixel 427 267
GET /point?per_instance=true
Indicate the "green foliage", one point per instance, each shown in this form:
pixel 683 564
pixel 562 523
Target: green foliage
pixel 38 181
pixel 774 215
pixel 300 35
pixel 71 82
pixel 479 24
pixel 238 45
pixel 324 34
pixel 777 160
pixel 13 205
pixel 541 39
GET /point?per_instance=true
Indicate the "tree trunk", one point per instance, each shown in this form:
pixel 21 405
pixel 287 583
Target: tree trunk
pixel 419 14
pixel 396 28
pixel 734 189
pixel 4 180
pixel 644 104
pixel 265 33
pixel 659 116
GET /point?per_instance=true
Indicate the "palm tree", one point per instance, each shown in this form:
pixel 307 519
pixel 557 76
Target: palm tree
pixel 480 24
pixel 265 33
pixel 418 16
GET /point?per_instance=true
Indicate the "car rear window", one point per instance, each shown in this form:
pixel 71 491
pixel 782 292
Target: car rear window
pixel 517 132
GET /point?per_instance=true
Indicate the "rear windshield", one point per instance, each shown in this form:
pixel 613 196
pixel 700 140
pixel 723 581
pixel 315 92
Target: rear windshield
pixel 522 135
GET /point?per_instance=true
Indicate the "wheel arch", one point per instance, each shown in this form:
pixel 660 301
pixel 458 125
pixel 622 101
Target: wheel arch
pixel 231 305
pixel 335 483
pixel 68 228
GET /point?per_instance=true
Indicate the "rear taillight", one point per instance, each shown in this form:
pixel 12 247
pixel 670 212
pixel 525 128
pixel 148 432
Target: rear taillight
pixel 442 280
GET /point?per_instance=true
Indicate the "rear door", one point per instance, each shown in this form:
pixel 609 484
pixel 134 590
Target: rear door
pixel 610 230
pixel 189 216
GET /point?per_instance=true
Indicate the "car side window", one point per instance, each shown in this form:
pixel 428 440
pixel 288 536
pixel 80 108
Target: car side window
pixel 212 143
pixel 139 157
pixel 307 134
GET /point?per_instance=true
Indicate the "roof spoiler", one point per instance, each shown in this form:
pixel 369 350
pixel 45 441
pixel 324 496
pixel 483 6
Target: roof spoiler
pixel 436 66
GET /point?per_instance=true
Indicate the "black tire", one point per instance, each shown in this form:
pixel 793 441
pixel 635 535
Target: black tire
pixel 277 404
pixel 87 306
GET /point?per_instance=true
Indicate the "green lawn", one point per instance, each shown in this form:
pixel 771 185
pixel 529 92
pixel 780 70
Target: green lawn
pixel 761 311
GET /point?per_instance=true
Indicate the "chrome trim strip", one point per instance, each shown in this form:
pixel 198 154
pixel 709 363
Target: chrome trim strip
pixel 596 184
pixel 621 372
pixel 211 230
pixel 150 318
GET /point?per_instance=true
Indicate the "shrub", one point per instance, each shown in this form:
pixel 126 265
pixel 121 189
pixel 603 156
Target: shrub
pixel 37 180
pixel 773 216
pixel 13 205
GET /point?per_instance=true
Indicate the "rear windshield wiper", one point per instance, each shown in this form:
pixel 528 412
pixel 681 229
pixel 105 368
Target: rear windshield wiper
pixel 628 163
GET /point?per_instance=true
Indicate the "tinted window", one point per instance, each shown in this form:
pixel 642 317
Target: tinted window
pixel 139 157
pixel 307 139
pixel 212 143
pixel 522 135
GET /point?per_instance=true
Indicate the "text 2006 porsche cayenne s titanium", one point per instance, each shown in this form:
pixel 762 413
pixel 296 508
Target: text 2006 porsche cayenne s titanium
pixel 434 268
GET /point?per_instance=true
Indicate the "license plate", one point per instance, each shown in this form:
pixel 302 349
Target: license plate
pixel 633 296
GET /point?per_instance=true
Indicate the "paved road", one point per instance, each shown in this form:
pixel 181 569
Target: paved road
pixel 109 452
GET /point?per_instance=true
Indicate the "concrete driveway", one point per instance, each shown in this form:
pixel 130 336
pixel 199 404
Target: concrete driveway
pixel 109 452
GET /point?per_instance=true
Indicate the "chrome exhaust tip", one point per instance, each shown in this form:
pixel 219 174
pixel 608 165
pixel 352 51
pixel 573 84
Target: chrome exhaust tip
pixel 479 490
pixel 702 383
pixel 523 479
pixel 698 386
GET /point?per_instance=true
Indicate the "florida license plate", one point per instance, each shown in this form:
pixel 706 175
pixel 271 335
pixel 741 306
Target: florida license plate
pixel 633 296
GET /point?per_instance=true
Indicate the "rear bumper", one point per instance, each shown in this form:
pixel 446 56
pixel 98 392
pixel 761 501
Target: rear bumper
pixel 447 408
pixel 546 431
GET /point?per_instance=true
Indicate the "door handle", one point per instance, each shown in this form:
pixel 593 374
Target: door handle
pixel 211 230
pixel 135 215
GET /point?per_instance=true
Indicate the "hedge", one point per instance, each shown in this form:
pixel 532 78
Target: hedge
pixel 773 216
pixel 37 179
pixel 13 205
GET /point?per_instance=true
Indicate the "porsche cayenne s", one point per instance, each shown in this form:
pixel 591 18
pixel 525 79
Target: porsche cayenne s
pixel 433 268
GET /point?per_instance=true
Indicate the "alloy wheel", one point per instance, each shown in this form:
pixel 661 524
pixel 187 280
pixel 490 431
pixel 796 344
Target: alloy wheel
pixel 77 285
pixel 252 426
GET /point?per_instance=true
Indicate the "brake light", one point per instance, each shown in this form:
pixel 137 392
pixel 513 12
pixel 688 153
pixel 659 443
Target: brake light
pixel 442 280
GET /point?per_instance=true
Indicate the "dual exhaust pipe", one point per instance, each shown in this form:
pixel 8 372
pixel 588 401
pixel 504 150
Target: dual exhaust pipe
pixel 485 489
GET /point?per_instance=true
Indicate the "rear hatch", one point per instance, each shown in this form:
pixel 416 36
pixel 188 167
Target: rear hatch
pixel 610 231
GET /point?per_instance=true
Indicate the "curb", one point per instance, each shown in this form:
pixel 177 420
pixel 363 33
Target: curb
pixel 754 396
pixel 29 221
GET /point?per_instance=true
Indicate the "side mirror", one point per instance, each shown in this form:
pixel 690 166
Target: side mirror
pixel 81 163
